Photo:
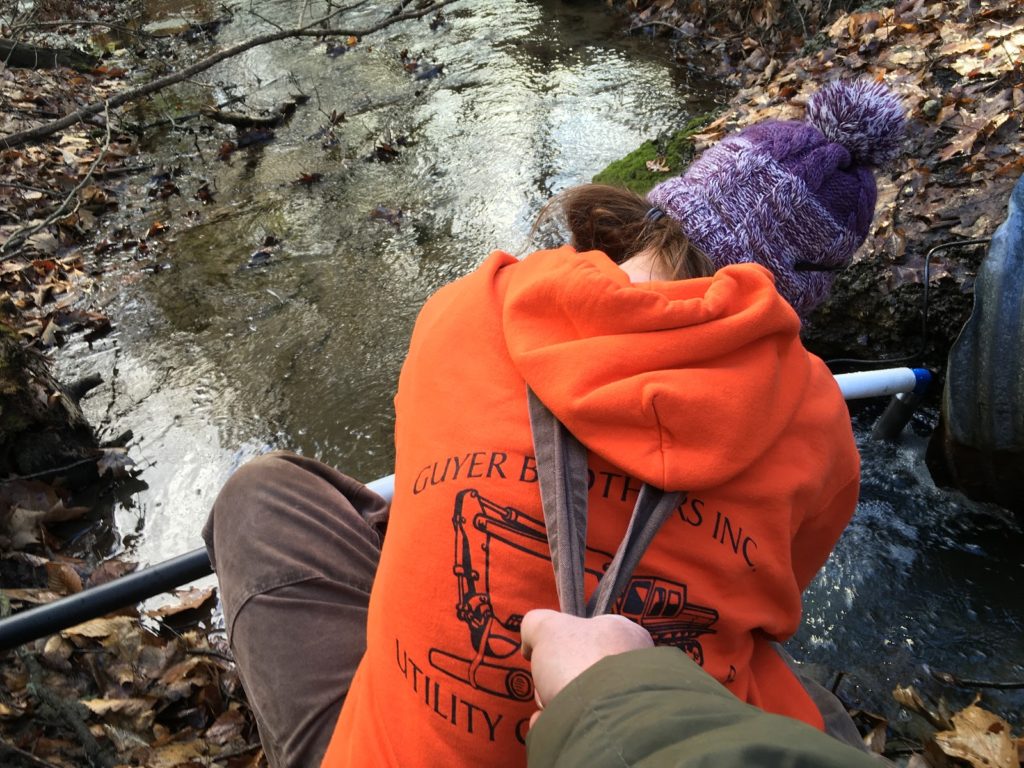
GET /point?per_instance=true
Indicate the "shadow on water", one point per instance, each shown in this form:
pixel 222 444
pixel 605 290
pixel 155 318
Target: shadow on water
pixel 281 318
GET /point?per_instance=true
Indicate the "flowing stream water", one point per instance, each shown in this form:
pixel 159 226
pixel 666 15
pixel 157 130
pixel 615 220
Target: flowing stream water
pixel 231 347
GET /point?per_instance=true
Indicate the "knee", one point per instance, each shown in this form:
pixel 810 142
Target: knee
pixel 253 477
pixel 243 503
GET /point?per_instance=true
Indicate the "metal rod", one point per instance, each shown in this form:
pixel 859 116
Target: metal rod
pixel 163 577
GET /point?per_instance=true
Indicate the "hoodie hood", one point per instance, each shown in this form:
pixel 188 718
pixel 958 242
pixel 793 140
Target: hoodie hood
pixel 683 384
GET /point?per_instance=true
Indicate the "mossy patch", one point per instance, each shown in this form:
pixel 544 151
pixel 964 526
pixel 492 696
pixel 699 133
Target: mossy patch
pixel 674 151
pixel 818 42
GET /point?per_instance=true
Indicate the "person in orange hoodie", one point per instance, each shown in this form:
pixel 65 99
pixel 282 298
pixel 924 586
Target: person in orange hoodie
pixel 665 337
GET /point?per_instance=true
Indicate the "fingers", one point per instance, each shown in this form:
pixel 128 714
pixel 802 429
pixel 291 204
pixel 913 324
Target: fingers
pixel 560 647
pixel 532 628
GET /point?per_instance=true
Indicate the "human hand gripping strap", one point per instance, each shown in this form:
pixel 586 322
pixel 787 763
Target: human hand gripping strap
pixel 562 472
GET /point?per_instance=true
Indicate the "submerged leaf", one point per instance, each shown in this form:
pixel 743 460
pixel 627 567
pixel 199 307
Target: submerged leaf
pixel 114 461
pixel 109 570
pixel 981 738
pixel 910 699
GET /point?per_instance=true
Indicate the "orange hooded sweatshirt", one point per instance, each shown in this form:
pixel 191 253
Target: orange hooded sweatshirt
pixel 696 385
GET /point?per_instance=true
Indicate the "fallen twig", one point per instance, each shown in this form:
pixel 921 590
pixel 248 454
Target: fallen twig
pixel 656 23
pixel 108 172
pixel 240 751
pixel 23 55
pixel 313 29
pixel 242 120
pixel 26 188
pixel 948 678
pixel 48 472
pixel 5 746
pixel 211 654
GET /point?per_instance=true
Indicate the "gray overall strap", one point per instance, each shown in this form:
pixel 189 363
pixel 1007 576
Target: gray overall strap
pixel 562 472
pixel 653 507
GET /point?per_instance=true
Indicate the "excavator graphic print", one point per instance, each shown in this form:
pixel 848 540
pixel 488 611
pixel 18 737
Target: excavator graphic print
pixel 490 662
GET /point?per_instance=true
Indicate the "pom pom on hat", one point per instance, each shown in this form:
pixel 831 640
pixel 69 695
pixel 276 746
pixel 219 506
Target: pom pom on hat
pixel 797 197
pixel 863 116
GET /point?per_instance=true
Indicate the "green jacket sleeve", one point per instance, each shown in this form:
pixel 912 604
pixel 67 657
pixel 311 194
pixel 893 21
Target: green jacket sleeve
pixel 655 708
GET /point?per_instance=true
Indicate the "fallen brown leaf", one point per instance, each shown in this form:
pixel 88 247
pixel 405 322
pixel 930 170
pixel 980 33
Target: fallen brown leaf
pixel 657 165
pixel 31 596
pixel 62 578
pixel 57 652
pixel 910 699
pixel 187 600
pixel 100 628
pixel 981 738
pixel 114 461
pixel 229 725
pixel 10 712
pixel 109 570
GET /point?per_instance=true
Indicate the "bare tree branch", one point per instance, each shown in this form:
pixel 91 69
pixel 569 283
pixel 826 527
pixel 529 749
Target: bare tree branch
pixel 302 11
pixel 313 29
pixel 18 28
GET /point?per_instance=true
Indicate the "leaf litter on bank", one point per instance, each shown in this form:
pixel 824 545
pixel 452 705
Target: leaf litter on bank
pixel 123 688
pixel 149 699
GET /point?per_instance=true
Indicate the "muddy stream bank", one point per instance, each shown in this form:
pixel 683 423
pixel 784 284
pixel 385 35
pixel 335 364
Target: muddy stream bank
pixel 276 315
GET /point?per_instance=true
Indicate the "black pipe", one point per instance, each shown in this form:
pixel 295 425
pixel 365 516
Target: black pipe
pixel 902 406
pixel 896 416
pixel 99 601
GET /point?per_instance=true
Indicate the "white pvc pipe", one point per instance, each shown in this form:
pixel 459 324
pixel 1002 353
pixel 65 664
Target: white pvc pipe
pixel 385 486
pixel 888 381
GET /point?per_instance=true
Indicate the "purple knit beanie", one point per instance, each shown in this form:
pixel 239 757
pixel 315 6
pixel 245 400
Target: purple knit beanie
pixel 795 197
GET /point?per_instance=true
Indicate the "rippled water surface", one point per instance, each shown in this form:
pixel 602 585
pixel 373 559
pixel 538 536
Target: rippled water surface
pixel 921 580
pixel 226 352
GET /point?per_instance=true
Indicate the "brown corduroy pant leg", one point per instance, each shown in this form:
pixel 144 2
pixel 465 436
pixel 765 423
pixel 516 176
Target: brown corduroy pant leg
pixel 295 546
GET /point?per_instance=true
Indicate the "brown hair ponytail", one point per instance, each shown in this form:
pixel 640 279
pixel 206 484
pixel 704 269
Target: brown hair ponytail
pixel 617 222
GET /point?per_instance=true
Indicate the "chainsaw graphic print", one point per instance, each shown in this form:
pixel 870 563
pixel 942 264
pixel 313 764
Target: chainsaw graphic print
pixel 490 661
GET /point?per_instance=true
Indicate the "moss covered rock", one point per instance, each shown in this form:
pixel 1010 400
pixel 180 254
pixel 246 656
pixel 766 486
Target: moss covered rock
pixel 673 152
